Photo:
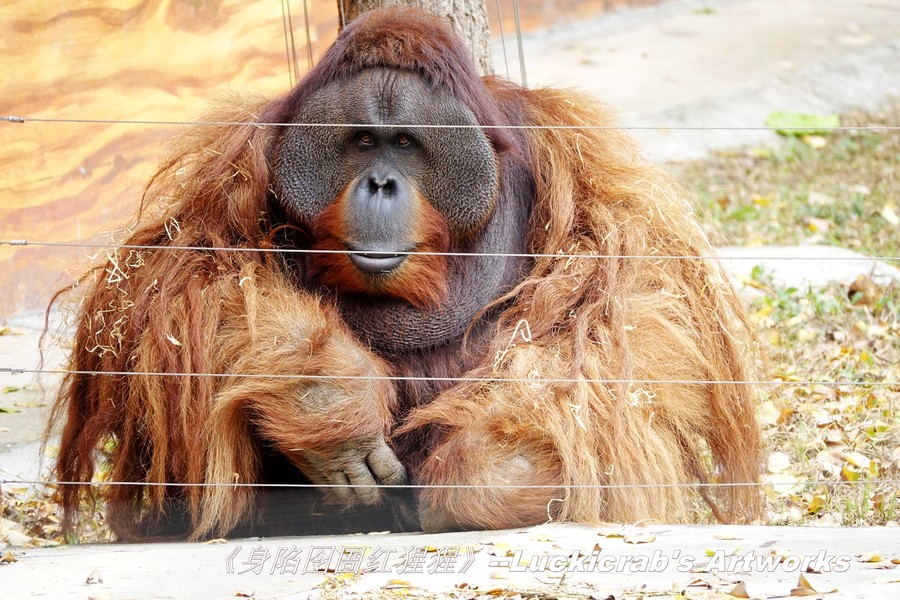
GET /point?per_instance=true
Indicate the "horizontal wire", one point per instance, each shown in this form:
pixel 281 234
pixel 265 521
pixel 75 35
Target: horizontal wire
pixel 18 371
pixel 418 486
pixel 21 119
pixel 561 255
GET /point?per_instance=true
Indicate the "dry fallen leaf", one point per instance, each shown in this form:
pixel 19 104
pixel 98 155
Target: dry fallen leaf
pixel 739 591
pixel 639 538
pixel 94 577
pixel 816 503
pixel 857 459
pixel 831 519
pixel 500 548
pixel 804 588
pixel 611 533
pixel 864 292
pixel 18 538
pixel 782 484
pixel 781 553
pixel 869 557
pixel 769 414
pixel 42 543
pixel 790 515
pixel 778 462
pixel 889 214
pixel 849 474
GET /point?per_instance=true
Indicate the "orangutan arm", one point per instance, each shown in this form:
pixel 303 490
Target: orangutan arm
pixel 308 388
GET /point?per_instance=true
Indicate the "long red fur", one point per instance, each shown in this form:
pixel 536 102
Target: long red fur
pixel 618 451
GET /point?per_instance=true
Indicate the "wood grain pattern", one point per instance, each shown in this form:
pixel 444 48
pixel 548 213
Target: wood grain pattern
pixel 138 60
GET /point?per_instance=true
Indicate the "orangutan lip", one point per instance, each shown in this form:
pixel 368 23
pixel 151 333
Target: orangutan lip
pixel 377 262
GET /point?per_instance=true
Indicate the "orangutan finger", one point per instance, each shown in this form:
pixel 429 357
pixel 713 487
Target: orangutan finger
pixel 366 490
pixel 386 467
pixel 340 488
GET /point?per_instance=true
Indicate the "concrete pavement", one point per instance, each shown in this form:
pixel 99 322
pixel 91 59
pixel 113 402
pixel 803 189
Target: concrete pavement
pixel 548 561
pixel 730 63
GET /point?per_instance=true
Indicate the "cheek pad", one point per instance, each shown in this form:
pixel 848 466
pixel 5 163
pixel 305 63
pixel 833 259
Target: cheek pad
pixel 310 170
pixel 460 177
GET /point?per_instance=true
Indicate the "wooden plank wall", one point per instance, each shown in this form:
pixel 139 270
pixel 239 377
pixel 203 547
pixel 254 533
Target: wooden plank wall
pixel 136 60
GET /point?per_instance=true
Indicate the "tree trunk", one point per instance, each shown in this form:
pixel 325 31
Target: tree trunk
pixel 469 19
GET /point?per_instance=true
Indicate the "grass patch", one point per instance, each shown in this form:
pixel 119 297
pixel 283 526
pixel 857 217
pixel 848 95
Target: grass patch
pixel 840 189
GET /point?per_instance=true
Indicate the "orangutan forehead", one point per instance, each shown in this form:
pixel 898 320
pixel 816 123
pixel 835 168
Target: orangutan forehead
pixel 392 94
pixel 394 97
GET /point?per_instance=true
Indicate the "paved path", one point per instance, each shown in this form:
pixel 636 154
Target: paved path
pixel 671 562
pixel 678 65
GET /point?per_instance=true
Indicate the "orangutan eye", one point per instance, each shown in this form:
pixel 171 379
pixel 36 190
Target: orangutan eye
pixel 365 138
pixel 403 140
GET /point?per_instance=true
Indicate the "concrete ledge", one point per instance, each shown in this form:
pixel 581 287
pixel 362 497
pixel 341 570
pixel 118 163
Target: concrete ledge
pixel 700 561
pixel 807 266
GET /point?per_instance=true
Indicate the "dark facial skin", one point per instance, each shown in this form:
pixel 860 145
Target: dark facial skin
pixel 380 211
pixel 382 170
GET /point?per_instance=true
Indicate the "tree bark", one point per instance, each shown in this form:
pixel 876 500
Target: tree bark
pixel 469 19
